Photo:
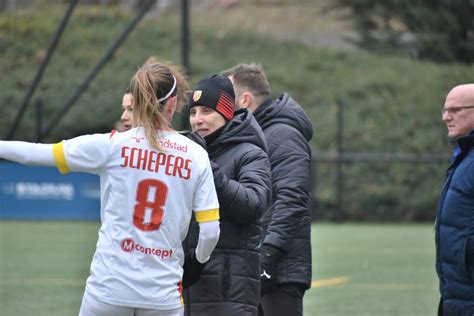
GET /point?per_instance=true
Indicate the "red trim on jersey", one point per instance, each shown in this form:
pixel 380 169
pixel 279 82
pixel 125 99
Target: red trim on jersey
pixel 112 133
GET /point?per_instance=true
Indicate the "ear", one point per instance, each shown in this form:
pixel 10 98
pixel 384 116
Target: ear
pixel 170 108
pixel 247 101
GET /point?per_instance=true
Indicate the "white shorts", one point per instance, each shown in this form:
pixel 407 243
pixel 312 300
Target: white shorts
pixel 92 307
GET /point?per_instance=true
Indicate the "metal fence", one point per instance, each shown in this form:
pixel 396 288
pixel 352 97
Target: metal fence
pixel 340 160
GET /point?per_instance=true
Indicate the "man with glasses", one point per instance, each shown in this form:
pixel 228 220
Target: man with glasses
pixel 455 218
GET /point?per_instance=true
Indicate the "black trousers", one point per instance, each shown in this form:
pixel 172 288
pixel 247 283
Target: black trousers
pixel 283 300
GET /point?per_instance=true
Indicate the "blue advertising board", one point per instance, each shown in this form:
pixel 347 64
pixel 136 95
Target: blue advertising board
pixel 42 193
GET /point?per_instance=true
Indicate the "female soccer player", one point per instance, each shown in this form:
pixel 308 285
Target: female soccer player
pixel 151 179
pixel 127 111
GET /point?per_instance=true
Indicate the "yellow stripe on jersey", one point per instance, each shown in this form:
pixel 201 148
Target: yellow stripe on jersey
pixel 207 216
pixel 59 158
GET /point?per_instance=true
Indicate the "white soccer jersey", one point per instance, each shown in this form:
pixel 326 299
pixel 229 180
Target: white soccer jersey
pixel 147 196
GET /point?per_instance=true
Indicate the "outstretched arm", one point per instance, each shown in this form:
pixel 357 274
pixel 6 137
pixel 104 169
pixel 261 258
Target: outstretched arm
pixel 27 153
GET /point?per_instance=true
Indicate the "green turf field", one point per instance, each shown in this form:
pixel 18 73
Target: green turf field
pixel 369 269
pixel 359 269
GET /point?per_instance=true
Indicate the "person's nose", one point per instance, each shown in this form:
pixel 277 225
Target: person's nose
pixel 446 116
pixel 124 117
pixel 198 118
pixel 194 122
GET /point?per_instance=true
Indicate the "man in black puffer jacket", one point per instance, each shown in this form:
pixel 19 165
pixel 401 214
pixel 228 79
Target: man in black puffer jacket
pixel 286 251
pixel 230 281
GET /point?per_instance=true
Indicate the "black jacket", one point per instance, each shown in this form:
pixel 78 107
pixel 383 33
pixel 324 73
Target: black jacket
pixel 287 223
pixel 230 282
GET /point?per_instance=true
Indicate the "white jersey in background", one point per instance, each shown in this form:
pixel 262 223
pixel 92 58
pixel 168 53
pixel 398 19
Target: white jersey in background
pixel 147 196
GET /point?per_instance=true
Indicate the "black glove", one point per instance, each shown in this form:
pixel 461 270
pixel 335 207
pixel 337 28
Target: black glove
pixel 269 263
pixel 195 137
pixel 192 269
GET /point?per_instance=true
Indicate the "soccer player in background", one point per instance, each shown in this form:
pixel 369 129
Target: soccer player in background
pixel 152 178
pixel 127 111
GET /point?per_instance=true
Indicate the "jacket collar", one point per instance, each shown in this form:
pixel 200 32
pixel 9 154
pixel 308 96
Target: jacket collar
pixel 466 142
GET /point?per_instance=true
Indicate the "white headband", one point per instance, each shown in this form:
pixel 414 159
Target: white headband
pixel 169 93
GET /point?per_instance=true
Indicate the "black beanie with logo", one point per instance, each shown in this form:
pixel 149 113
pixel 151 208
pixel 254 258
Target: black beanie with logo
pixel 215 92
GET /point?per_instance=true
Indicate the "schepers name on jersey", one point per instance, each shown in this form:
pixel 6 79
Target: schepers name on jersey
pixel 153 161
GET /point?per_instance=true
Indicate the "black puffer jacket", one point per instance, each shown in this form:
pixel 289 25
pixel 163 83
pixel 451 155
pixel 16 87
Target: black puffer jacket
pixel 230 282
pixel 287 223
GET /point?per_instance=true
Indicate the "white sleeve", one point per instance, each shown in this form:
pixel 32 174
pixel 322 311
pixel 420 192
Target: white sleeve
pixel 87 153
pixel 205 196
pixel 208 238
pixel 206 210
pixel 27 153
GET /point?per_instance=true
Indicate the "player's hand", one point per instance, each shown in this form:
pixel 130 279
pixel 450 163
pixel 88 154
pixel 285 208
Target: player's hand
pixel 269 267
pixel 192 269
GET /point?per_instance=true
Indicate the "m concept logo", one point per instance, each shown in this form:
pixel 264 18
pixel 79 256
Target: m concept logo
pixel 128 245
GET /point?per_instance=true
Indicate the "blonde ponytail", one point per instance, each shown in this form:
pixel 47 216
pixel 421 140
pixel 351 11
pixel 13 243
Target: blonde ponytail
pixel 153 81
